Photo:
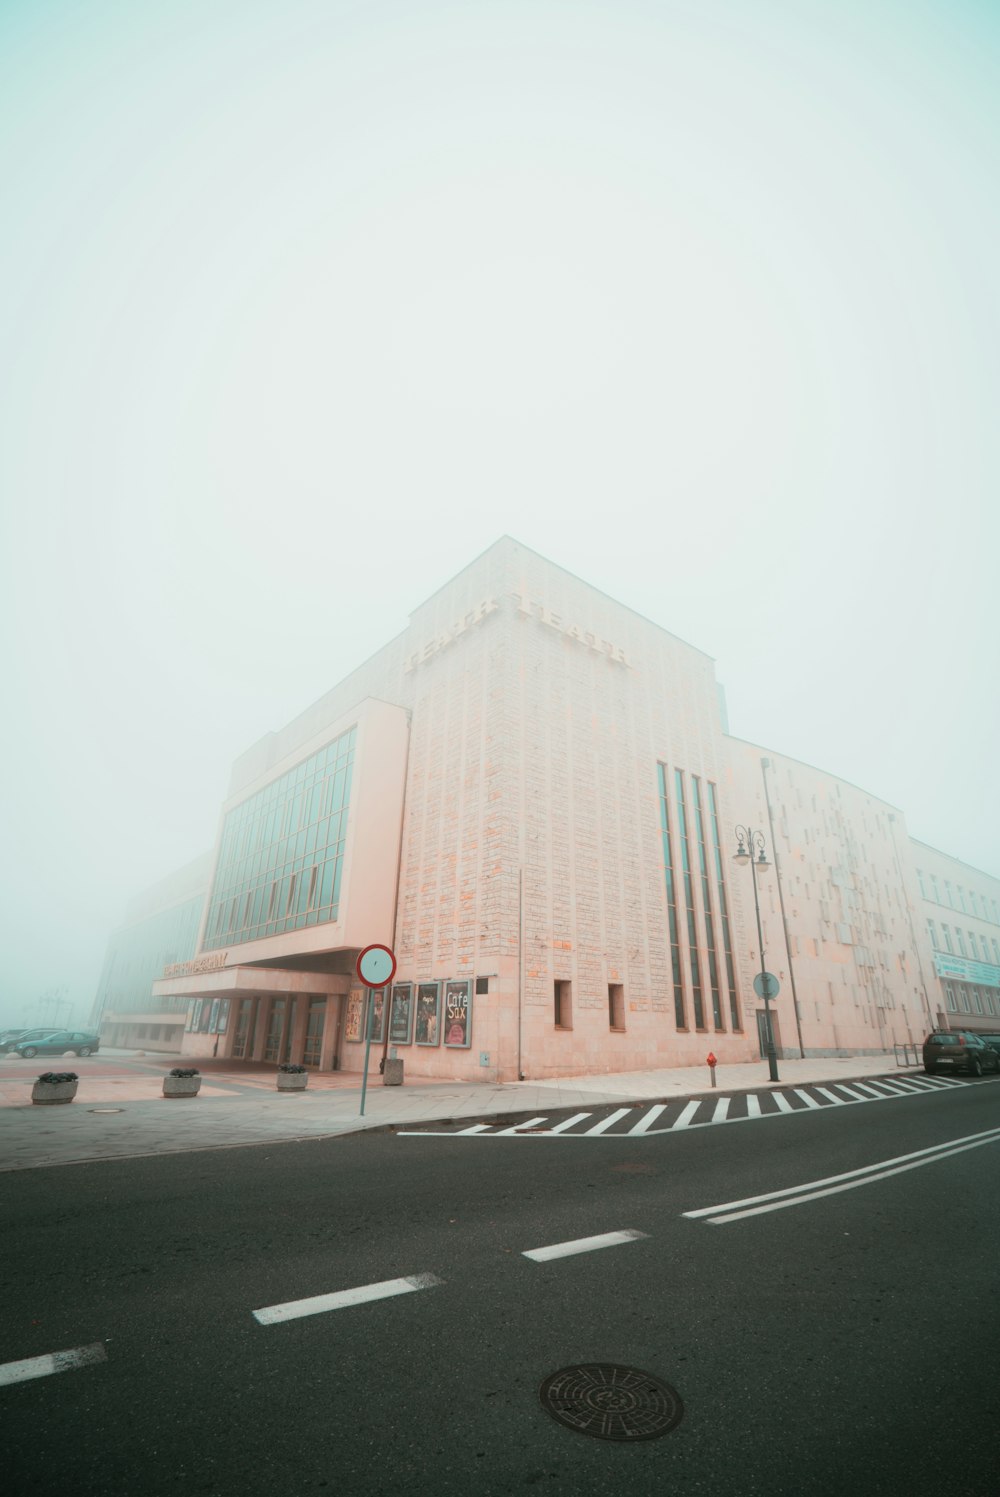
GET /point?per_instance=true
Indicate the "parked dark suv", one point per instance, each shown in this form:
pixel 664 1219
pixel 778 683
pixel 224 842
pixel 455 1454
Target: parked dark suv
pixel 959 1050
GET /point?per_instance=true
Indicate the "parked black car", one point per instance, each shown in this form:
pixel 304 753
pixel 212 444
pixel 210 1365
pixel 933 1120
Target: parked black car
pixel 993 1040
pixel 57 1042
pixel 959 1050
pixel 12 1037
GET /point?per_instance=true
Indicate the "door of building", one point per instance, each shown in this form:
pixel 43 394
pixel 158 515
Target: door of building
pixel 275 1023
pixel 762 1029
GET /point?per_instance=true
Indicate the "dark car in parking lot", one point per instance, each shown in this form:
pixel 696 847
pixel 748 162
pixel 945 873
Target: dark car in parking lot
pixel 58 1042
pixel 12 1037
pixel 959 1050
pixel 993 1040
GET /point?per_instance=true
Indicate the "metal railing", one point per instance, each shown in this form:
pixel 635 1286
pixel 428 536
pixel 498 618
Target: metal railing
pixel 908 1055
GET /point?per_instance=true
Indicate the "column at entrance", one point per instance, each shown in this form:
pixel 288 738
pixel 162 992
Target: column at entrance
pixel 300 1017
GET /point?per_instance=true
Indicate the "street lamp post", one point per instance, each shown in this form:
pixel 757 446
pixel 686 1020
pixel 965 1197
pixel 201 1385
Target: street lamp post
pixel 750 849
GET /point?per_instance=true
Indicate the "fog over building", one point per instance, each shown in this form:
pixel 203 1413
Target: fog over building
pixel 532 796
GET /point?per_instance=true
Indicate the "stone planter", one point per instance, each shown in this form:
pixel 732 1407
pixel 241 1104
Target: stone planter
pixel 181 1086
pixel 54 1087
pixel 293 1081
pixel 393 1073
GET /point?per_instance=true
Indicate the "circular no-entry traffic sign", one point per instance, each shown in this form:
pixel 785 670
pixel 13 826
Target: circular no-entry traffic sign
pixel 376 966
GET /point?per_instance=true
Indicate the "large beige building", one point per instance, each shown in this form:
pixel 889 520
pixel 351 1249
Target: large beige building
pixel 530 795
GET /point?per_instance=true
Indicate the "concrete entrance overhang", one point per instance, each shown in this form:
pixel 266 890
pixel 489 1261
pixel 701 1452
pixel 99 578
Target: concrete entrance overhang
pixel 251 982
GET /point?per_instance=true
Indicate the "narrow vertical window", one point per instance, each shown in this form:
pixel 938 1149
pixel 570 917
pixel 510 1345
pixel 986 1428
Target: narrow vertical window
pixel 920 880
pixel 616 1006
pixel 699 1007
pixel 563 1005
pixel 932 932
pixel 706 900
pixel 947 937
pixel 720 881
pixel 680 1017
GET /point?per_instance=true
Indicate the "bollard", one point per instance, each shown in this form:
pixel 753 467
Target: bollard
pixel 712 1063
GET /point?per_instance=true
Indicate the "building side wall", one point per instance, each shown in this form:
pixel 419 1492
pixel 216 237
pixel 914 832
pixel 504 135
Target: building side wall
pixel 959 909
pixel 848 948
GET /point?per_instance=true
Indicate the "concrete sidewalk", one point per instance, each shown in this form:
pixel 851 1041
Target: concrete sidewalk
pixel 119 1120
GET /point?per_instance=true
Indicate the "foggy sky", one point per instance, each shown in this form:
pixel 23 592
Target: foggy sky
pixel 302 305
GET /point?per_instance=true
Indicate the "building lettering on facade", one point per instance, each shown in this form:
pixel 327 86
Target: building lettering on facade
pixel 210 963
pixel 448 636
pixel 527 608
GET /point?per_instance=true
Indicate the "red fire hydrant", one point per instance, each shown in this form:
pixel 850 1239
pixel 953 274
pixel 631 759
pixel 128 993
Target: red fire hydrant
pixel 712 1063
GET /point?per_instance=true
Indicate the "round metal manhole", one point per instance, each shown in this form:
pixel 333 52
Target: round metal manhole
pixel 611 1402
pixel 105 1109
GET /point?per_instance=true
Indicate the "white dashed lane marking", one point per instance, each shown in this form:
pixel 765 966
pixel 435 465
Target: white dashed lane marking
pixel 582 1245
pixel 53 1361
pixel 342 1299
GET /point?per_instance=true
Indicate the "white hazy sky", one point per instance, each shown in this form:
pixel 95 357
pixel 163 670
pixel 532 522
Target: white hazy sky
pixel 303 304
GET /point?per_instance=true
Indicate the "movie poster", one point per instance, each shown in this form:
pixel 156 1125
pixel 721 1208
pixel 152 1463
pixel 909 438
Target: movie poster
pixel 401 1017
pixel 427 1016
pixel 458 1014
pixel 355 1008
pixel 378 1016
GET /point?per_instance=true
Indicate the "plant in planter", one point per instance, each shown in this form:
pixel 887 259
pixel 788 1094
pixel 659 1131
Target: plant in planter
pixel 292 1078
pixel 182 1082
pixel 55 1086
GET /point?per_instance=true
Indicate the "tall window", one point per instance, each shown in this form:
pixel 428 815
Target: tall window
pixel 961 900
pixel 932 932
pixel 282 851
pixel 934 890
pixel 699 1007
pixel 961 941
pixel 706 900
pixel 720 884
pixel 680 1017
pixel 920 880
pixel 947 938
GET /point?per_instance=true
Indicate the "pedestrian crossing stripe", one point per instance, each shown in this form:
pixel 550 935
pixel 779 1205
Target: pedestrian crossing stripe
pixel 703 1112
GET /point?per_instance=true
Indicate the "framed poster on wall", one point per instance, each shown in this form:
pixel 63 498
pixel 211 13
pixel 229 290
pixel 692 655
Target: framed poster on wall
pixel 458 1014
pixel 378 1016
pixel 401 1015
pixel 355 1009
pixel 428 1013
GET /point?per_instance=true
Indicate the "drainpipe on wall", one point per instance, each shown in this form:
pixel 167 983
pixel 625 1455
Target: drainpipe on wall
pixel 765 764
pixel 520 964
pixel 387 1001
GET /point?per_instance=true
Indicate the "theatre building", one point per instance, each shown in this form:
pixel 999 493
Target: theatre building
pixel 530 796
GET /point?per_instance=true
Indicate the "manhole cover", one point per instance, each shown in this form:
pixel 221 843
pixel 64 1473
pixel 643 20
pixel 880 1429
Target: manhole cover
pixel 611 1402
pixel 105 1109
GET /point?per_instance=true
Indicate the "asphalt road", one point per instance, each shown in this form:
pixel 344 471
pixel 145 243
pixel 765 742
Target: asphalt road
pixel 844 1344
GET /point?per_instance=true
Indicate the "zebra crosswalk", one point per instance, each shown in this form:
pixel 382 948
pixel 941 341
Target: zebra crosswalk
pixel 643 1119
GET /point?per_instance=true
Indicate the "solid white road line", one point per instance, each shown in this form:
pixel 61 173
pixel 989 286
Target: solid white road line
pixel 294 1309
pixel 581 1245
pixel 648 1118
pixel 52 1361
pixel 685 1117
pixel 811 1190
pixel 809 1101
pixel 782 1103
pixel 577 1117
pixel 608 1122
pixel 528 1123
pixel 721 1108
pixel 832 1096
pixel 753 1105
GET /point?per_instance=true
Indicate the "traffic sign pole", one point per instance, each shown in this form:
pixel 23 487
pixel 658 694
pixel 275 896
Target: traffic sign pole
pixel 368 1046
pixel 376 967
